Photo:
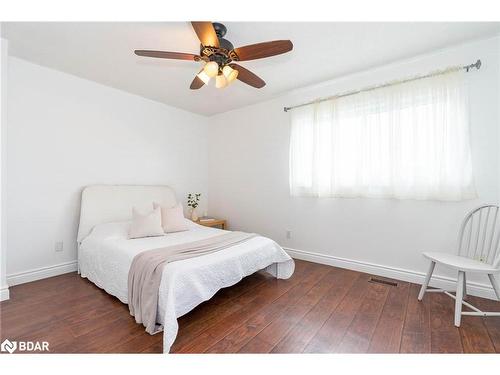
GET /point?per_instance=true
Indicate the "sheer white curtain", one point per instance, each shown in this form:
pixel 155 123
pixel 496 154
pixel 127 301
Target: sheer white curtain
pixel 407 141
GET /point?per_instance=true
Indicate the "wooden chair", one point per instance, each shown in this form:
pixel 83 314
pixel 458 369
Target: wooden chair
pixel 478 252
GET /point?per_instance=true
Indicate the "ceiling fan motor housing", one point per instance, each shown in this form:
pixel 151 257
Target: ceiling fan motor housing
pixel 223 54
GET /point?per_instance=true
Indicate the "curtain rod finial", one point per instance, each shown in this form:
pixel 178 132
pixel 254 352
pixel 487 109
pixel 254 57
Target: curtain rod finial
pixel 476 65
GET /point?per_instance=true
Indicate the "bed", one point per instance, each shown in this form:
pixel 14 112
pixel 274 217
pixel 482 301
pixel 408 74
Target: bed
pixel 105 253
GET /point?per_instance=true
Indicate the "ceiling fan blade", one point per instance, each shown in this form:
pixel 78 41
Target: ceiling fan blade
pixel 197 83
pixel 206 33
pixel 245 75
pixel 261 50
pixel 167 55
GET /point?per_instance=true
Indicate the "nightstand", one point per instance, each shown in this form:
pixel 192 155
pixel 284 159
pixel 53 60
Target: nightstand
pixel 213 223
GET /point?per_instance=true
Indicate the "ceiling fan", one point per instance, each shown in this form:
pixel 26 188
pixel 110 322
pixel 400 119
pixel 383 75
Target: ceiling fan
pixel 219 55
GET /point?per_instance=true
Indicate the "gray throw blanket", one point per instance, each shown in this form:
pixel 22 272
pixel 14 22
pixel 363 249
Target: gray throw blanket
pixel 145 273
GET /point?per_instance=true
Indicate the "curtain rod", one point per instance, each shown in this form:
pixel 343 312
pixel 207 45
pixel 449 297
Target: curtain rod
pixel 476 65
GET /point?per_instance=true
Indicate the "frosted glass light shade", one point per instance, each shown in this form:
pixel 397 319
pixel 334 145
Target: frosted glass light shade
pixel 204 77
pixel 211 69
pixel 220 81
pixel 229 73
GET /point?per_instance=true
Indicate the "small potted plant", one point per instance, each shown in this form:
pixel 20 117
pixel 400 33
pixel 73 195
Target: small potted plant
pixel 193 202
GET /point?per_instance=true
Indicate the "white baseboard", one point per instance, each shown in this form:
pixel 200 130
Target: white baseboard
pixel 41 273
pixel 443 282
pixel 4 293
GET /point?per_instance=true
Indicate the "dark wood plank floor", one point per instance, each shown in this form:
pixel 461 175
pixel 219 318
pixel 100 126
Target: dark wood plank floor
pixel 320 309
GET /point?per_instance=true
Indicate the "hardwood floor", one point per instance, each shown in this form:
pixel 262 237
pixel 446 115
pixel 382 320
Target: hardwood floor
pixel 321 309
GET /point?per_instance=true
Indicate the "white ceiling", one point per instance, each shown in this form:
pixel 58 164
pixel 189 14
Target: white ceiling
pixel 103 52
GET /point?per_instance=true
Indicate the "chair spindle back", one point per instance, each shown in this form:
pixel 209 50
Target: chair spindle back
pixel 479 235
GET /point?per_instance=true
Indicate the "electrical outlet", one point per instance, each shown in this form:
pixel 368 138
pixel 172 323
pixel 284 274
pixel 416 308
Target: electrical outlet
pixel 288 234
pixel 59 246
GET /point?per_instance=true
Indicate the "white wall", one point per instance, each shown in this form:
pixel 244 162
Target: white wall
pixel 4 289
pixel 64 133
pixel 248 184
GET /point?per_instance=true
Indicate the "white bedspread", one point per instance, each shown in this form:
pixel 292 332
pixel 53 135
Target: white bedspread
pixel 106 254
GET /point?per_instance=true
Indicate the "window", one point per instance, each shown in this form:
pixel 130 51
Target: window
pixel 407 141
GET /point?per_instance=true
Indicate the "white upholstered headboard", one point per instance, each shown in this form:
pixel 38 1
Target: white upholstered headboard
pixel 107 203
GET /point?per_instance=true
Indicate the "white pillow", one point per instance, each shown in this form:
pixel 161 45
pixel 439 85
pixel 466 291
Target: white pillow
pixel 147 225
pixel 118 229
pixel 172 218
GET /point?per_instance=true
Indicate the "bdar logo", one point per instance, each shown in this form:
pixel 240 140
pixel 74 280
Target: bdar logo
pixel 8 346
pixel 24 346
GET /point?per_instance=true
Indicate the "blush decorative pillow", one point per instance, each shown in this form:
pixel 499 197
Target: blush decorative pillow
pixel 172 218
pixel 145 225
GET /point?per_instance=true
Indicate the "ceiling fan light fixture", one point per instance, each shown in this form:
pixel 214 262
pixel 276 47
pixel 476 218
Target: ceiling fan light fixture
pixel 229 73
pixel 204 77
pixel 220 81
pixel 211 69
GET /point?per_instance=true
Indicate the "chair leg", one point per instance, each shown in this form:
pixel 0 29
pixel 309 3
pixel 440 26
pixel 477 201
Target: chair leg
pixel 426 282
pixel 465 286
pixel 494 283
pixel 459 298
